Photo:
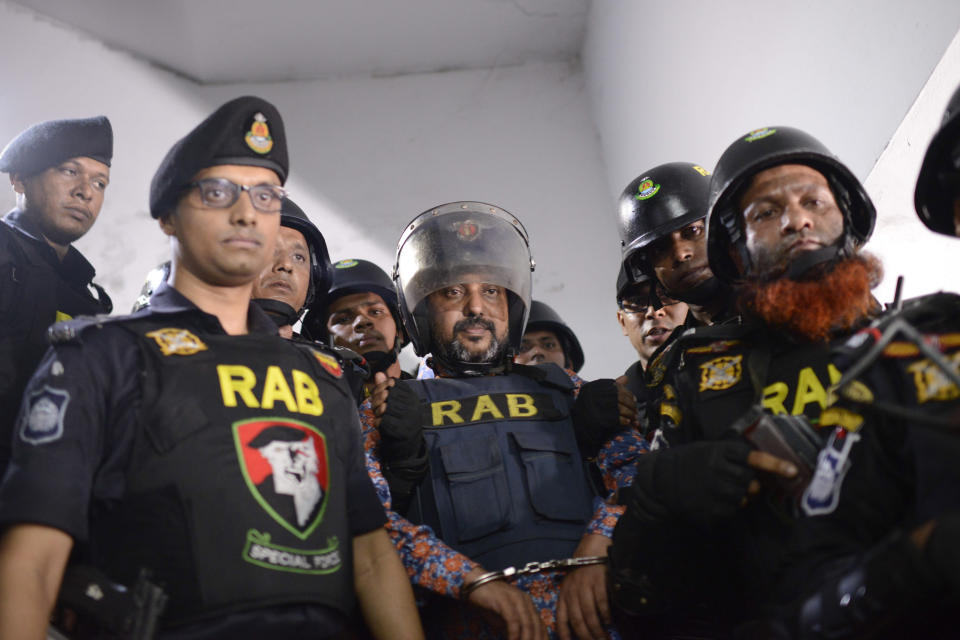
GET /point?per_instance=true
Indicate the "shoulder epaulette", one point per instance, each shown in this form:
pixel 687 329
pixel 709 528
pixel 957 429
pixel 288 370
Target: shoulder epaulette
pixel 70 330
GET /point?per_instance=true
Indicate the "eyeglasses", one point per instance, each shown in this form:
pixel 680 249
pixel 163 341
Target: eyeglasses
pixel 635 305
pixel 220 193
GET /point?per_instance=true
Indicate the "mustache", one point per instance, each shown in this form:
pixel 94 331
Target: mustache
pixel 469 323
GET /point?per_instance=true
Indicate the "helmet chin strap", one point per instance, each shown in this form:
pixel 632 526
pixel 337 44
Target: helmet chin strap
pixel 280 312
pixel 380 361
pixel 703 293
pixel 472 369
pixel 809 259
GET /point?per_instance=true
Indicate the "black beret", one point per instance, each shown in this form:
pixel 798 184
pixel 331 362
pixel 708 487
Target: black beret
pixel 277 432
pixel 47 144
pixel 246 131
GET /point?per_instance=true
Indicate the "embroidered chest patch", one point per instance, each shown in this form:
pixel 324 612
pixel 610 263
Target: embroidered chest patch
pixel 721 373
pixel 177 342
pixel 932 382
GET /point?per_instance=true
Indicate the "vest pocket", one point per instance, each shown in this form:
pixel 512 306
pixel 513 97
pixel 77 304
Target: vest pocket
pixel 478 486
pixel 555 484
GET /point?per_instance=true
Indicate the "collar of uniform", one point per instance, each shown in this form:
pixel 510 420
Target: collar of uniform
pixel 73 268
pixel 167 300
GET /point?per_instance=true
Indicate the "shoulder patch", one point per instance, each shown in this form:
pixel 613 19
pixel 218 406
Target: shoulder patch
pixel 42 418
pixel 657 368
pixel 932 382
pixel 176 342
pixel 833 462
pixel 721 373
pixel 329 363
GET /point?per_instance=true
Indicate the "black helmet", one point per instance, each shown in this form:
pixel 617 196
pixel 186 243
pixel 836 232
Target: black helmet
pixel 939 181
pixel 769 147
pixel 354 275
pixel 293 217
pixel 657 203
pixel 443 245
pixel 544 318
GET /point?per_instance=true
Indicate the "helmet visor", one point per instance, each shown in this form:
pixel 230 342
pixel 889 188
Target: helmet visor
pixel 461 243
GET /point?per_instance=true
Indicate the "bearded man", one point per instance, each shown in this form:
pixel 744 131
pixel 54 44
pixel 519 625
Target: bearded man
pixel 709 517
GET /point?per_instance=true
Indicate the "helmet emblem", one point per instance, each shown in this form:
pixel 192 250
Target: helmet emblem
pixel 468 230
pixel 701 170
pixel 346 264
pixel 759 134
pixel 647 189
pixel 258 137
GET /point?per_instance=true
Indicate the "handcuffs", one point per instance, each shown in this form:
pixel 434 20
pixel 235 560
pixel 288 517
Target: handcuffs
pixel 529 568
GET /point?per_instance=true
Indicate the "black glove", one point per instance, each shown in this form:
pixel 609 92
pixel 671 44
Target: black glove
pixel 596 415
pixel 699 483
pixel 403 450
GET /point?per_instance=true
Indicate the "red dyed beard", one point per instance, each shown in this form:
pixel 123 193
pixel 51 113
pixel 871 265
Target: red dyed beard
pixel 834 297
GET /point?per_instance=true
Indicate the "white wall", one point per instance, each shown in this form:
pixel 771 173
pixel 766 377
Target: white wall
pixel 906 246
pixel 367 155
pixel 680 79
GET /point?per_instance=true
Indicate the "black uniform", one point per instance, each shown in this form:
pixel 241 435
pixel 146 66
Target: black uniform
pixel 36 290
pixel 715 568
pixel 891 465
pixel 146 439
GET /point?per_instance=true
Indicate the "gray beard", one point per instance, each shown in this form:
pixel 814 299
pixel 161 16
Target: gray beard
pixel 456 351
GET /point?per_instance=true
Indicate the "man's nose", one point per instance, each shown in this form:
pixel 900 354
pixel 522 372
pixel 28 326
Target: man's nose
pixel 794 218
pixel 473 303
pixel 83 189
pixel 682 249
pixel 243 213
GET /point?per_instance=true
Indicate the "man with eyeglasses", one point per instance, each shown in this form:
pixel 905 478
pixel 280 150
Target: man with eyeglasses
pixel 59 170
pixel 155 441
pixel 645 324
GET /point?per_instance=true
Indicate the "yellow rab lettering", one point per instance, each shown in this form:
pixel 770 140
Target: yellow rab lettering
pixel 485 405
pixel 275 388
pixel 446 409
pixel 234 379
pixel 809 390
pixel 308 396
pixel 520 405
pixel 773 397
pixel 237 379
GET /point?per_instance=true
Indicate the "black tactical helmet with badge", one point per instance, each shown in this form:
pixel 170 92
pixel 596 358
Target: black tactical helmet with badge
pixel 463 242
pixel 938 186
pixel 660 201
pixel 349 276
pixel 762 149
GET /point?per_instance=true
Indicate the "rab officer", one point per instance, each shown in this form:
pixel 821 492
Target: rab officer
pixel 59 170
pixel 189 439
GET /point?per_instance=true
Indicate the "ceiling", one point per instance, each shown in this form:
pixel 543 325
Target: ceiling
pixel 227 41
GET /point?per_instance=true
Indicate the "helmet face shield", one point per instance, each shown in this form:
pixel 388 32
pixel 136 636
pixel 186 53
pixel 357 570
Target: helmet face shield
pixel 462 243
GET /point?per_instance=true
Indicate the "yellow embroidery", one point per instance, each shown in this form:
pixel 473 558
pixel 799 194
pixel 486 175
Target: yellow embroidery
pixel 721 373
pixel 179 342
pixel 932 382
